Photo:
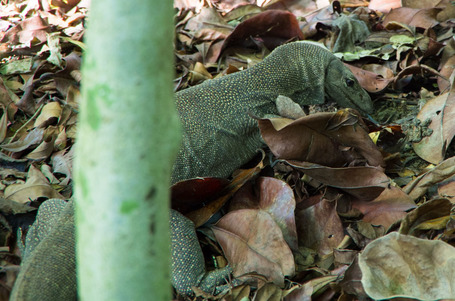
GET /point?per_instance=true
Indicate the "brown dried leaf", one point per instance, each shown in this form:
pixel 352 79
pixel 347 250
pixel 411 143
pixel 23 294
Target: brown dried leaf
pixel 431 210
pixel 270 28
pixel 65 5
pixel 29 31
pixel 340 136
pixel 207 18
pixel 66 79
pixel 399 265
pixel 362 182
pixel 269 292
pixel 50 114
pixel 413 70
pixel 386 209
pixel 384 6
pixel 441 111
pixel 62 162
pixel 253 242
pixel 242 11
pixel 203 214
pixel 8 99
pixel 446 189
pixel 424 18
pixel 44 150
pixel 447 70
pixel 424 3
pixel 3 126
pixel 322 18
pixel 372 81
pixel 273 196
pixel 419 186
pixel 311 287
pixel 351 281
pixel 32 139
pixel 319 227
pixel 36 186
pixel 191 194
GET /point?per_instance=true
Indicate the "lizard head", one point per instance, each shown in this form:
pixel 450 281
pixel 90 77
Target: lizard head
pixel 342 86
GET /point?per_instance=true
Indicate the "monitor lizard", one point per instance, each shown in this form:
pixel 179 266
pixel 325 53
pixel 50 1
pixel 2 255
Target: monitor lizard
pixel 219 136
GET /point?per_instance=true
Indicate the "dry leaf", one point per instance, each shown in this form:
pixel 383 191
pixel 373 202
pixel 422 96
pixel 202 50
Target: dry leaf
pixel 399 265
pixel 33 138
pixel 50 114
pixel 441 112
pixel 273 196
pixel 36 186
pixel 419 186
pixel 340 137
pixel 389 207
pixel 253 242
pixel 362 182
pixel 319 227
pixel 427 212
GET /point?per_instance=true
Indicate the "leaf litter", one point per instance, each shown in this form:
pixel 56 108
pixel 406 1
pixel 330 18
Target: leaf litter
pixel 335 197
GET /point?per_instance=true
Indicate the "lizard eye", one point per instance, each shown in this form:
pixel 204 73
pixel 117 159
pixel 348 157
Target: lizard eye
pixel 349 82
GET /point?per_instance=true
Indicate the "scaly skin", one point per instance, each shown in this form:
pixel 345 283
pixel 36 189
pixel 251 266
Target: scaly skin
pixel 219 136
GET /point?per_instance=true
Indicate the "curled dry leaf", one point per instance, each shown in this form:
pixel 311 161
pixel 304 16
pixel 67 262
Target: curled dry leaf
pixel 311 287
pixel 64 5
pixel 62 162
pixel 419 186
pixel 371 81
pixel 362 182
pixel 191 194
pixel 33 138
pixel 447 65
pixel 423 18
pixel 384 6
pixel 9 207
pixel 8 99
pixel 441 111
pixel 323 18
pixel 36 186
pixel 269 292
pixel 447 70
pixel 399 265
pixel 446 189
pixel 50 114
pixel 201 198
pixel 273 196
pixel 3 126
pixel 253 242
pixel 272 28
pixel 44 150
pixel 331 139
pixel 319 227
pixel 436 209
pixel 53 42
pixel 27 31
pixel 414 70
pixel 288 108
pixel 389 207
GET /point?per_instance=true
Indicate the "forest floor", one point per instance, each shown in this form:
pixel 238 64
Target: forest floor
pixel 370 209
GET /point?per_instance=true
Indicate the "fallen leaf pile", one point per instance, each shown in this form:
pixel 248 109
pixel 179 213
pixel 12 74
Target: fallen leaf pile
pixel 339 207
